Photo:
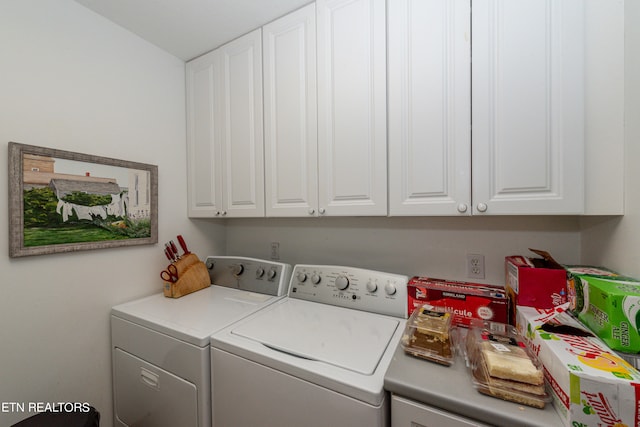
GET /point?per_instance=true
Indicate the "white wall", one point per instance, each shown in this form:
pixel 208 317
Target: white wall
pixel 435 247
pixel 615 242
pixel 71 80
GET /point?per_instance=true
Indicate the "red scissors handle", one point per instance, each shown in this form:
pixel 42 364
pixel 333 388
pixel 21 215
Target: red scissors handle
pixel 170 274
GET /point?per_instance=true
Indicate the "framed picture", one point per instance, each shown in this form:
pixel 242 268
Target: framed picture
pixel 60 201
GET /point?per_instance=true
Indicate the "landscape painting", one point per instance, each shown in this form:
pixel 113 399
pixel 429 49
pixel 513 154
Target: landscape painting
pixel 61 201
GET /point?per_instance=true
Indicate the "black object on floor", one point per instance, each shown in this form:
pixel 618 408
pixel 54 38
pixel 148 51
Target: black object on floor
pixel 62 419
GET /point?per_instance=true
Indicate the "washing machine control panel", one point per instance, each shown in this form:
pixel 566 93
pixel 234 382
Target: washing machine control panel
pixel 368 290
pixel 249 274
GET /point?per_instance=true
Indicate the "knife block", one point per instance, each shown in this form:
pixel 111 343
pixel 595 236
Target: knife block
pixel 192 276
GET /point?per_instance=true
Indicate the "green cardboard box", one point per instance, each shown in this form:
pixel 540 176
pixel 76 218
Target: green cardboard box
pixel 611 309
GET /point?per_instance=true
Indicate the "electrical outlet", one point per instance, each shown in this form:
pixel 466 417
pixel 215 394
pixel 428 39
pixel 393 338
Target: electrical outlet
pixel 275 250
pixel 475 266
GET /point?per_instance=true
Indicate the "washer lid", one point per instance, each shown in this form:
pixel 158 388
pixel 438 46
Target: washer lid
pixel 342 337
pixel 193 317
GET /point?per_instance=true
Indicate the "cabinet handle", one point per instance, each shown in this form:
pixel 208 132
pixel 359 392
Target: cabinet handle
pixel 462 207
pixel 224 213
pixel 321 211
pixel 312 211
pixel 482 207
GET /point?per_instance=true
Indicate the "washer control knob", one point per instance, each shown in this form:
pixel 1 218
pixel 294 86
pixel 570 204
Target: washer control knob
pixel 315 279
pixel 342 282
pixel 210 264
pixel 259 272
pixel 272 273
pixel 372 286
pixel 237 269
pixel 302 277
pixel 390 288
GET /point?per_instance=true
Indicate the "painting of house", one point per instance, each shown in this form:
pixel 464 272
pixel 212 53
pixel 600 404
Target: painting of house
pixel 95 202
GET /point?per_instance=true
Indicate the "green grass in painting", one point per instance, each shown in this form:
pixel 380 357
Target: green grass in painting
pixel 78 233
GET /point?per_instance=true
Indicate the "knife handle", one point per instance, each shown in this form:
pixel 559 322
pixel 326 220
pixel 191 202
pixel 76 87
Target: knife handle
pixel 174 248
pixel 167 248
pixel 183 244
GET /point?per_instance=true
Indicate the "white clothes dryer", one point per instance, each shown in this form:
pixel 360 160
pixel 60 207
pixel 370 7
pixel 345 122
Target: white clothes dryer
pixel 160 346
pixel 318 356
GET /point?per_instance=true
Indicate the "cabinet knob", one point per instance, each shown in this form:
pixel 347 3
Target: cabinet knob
pixel 321 211
pixel 462 207
pixel 224 213
pixel 482 207
pixel 312 211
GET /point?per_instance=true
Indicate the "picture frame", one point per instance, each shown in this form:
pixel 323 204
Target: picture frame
pixel 63 201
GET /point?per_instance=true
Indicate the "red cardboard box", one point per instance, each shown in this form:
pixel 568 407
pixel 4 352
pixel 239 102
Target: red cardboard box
pixel 465 300
pixel 535 282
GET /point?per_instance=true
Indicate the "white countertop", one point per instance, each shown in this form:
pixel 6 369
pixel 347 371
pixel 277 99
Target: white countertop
pixel 451 389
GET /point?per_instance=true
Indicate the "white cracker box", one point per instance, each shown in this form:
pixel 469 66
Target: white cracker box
pixel 590 385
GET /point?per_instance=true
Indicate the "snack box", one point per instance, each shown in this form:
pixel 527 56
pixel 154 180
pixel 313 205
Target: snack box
pixel 428 335
pixel 502 366
pixel 610 307
pixel 534 282
pixel 590 385
pixel 465 300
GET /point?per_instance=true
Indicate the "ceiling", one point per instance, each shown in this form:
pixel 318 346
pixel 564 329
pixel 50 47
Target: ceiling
pixel 189 28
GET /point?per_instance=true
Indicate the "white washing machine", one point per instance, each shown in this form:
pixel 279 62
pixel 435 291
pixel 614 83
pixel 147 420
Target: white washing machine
pixel 314 359
pixel 161 356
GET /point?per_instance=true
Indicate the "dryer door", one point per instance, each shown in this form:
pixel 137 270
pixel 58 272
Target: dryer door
pixel 147 396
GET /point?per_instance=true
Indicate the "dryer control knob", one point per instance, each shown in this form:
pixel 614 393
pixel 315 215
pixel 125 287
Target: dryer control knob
pixel 237 269
pixel 372 286
pixel 302 277
pixel 315 279
pixel 342 282
pixel 259 272
pixel 271 274
pixel 390 288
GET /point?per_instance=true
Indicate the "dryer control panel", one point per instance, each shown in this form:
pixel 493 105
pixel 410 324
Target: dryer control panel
pixel 249 274
pixel 350 287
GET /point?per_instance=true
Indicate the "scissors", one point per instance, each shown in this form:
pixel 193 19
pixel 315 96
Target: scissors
pixel 170 274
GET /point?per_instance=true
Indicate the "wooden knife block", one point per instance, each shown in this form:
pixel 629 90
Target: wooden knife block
pixel 192 276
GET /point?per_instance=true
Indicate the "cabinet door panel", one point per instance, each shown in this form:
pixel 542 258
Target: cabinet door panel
pixel 204 156
pixel 429 107
pixel 242 135
pixel 352 107
pixel 291 140
pixel 528 113
pixel 409 413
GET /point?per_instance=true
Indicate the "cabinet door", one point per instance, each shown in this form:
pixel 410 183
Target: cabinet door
pixel 352 146
pixel 290 112
pixel 204 158
pixel 429 56
pixel 528 106
pixel 408 413
pixel 241 122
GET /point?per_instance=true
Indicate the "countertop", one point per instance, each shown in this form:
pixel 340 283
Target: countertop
pixel 451 389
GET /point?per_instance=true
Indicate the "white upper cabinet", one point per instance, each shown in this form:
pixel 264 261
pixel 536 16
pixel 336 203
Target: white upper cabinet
pixel 204 158
pixel 225 135
pixel 528 106
pixel 241 128
pixel 493 107
pixel 429 112
pixel 352 105
pixel 486 107
pixel 290 114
